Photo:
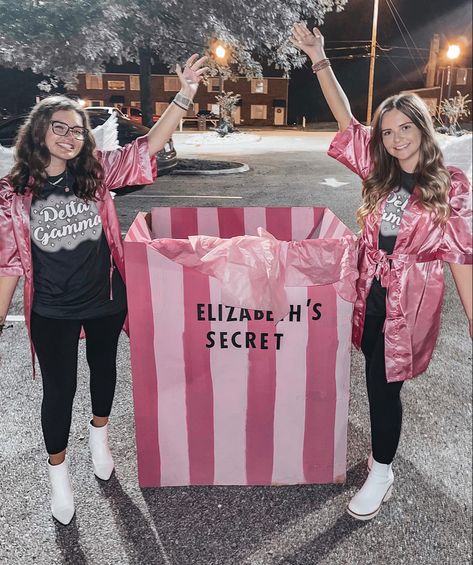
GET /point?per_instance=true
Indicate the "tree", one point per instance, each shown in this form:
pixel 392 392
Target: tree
pixel 19 89
pixel 227 102
pixel 67 37
pixel 453 109
pixel 58 38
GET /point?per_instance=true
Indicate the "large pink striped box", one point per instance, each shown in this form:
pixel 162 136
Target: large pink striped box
pixel 223 395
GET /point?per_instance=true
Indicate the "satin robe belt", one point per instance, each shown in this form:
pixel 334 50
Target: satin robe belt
pixel 380 264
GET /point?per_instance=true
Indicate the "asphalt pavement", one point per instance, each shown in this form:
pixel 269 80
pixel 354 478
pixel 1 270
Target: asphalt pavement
pixel 427 521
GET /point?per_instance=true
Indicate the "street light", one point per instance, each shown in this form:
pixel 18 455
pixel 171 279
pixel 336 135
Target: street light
pixel 220 52
pixel 453 52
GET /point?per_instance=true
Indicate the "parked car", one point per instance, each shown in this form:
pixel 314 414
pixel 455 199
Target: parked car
pixel 106 110
pixel 9 129
pixel 136 115
pixel 206 114
pixel 130 112
pixel 128 131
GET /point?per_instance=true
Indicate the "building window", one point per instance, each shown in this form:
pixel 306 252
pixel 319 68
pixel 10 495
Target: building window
pixel 135 104
pixel 259 86
pixel 93 82
pixel 259 111
pixel 172 84
pixel 116 84
pixel 135 113
pixel 134 82
pixel 279 103
pixel 96 102
pixel 214 108
pixel 214 85
pixel 161 107
pixel 461 76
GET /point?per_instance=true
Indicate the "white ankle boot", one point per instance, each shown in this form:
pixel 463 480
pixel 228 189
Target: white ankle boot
pixel 377 489
pixel 101 456
pixel 62 500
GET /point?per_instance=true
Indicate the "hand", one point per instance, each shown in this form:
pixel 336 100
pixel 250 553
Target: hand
pixel 312 43
pixel 191 75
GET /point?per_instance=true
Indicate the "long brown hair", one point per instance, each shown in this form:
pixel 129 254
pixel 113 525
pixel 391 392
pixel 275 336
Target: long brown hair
pixel 431 177
pixel 32 154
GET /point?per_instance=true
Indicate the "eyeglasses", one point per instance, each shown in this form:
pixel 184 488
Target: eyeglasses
pixel 60 128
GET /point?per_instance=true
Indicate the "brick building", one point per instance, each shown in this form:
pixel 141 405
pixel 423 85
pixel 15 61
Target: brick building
pixel 448 81
pixel 263 101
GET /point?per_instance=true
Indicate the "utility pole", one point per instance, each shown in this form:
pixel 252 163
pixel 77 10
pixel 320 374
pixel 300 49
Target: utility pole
pixel 372 62
pixel 432 64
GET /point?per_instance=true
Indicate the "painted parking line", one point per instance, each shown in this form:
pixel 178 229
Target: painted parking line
pixel 13 318
pixel 211 196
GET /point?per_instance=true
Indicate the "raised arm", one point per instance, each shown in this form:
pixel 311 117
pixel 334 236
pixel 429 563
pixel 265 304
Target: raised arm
pixel 190 77
pixel 312 43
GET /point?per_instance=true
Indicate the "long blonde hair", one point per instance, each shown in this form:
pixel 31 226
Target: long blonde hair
pixel 431 177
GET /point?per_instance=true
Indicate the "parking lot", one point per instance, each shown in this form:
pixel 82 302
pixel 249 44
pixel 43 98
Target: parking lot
pixel 428 520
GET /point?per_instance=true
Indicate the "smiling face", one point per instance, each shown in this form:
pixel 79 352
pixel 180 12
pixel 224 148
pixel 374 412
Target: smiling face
pixel 62 148
pixel 401 139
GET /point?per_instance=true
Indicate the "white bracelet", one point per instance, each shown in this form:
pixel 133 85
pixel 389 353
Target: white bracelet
pixel 183 101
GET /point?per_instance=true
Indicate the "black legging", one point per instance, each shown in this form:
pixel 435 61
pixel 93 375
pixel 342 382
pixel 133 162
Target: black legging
pixel 384 398
pixel 56 343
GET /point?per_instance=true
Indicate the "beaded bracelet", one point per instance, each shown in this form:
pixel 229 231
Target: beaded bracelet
pixel 322 64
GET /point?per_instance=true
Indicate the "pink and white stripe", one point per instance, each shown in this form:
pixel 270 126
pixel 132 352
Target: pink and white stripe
pixel 234 416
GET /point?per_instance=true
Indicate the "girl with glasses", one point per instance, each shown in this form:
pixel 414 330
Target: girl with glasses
pixel 415 214
pixel 62 129
pixel 59 229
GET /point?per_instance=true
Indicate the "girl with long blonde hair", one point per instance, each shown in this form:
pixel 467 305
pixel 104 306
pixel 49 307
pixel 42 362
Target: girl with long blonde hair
pixel 415 215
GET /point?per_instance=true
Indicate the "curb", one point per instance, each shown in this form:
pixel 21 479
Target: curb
pixel 243 167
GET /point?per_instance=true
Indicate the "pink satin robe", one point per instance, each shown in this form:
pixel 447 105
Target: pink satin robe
pixel 413 274
pixel 126 166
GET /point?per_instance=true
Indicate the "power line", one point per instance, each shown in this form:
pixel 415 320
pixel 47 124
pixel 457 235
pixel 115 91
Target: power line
pixel 405 27
pixel 389 58
pixel 381 48
pixel 349 41
pixel 386 50
pixel 390 47
pixel 346 48
pixel 403 57
pixel 391 6
pixel 351 57
pixel 367 55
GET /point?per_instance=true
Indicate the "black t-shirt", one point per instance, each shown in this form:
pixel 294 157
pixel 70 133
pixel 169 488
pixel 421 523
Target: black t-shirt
pixel 388 231
pixel 71 257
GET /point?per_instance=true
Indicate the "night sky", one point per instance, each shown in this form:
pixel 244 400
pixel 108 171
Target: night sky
pixel 450 18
